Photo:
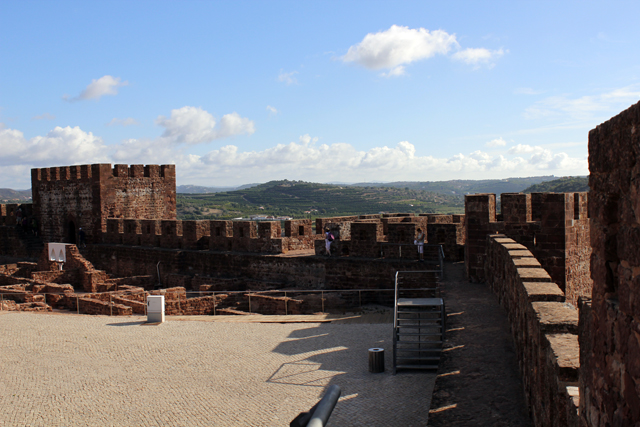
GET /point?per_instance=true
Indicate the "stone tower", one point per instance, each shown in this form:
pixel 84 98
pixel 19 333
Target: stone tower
pixel 68 198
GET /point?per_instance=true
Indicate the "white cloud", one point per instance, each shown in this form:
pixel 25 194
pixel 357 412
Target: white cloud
pixel 61 146
pixel 44 116
pixel 399 46
pixel 287 78
pixel 524 149
pixel 307 158
pixel 478 56
pixel 193 125
pixel 105 85
pixel 310 161
pixel 589 107
pixel 123 122
pixel 232 124
pixel 272 110
pixel 498 142
pixel 395 72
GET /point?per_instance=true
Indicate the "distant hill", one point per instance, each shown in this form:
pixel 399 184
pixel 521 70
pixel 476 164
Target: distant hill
pixel 7 195
pixel 305 199
pixel 462 187
pixel 198 189
pixel 567 184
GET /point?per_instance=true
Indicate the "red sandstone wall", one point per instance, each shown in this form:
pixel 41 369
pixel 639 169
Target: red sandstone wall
pixel 241 236
pixel 544 330
pixel 280 272
pixel 554 226
pixel 578 282
pixel 610 346
pixel 70 197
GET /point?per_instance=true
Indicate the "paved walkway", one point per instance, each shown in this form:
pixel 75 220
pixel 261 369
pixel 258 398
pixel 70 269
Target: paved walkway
pixel 478 383
pixel 69 370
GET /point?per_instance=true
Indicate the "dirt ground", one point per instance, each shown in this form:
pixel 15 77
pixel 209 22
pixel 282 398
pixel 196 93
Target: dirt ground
pixel 478 381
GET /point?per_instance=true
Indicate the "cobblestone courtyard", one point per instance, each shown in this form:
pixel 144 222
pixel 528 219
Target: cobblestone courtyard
pixel 68 370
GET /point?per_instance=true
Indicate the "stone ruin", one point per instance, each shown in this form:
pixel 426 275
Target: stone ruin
pixel 78 287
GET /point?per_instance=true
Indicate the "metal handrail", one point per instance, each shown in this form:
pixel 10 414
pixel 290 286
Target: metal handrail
pixel 395 304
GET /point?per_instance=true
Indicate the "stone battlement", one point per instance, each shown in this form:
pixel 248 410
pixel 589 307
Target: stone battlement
pixel 68 198
pixel 544 327
pixel 372 236
pixel 553 226
pixel 96 172
pixel 215 235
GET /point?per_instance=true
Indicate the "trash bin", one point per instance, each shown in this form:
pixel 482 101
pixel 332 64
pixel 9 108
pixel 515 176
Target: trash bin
pixel 376 360
pixel 155 308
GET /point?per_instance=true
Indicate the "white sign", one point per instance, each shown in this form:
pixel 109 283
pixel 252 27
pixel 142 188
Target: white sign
pixel 57 252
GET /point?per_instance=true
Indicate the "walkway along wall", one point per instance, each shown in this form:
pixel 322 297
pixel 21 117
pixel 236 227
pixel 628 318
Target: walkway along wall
pixel 544 329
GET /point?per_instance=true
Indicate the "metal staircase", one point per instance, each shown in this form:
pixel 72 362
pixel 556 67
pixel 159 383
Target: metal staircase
pixel 419 320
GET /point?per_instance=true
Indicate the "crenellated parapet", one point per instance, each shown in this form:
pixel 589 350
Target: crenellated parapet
pixel 544 328
pixel 554 226
pixel 9 213
pixel 68 198
pixel 217 235
pixel 366 235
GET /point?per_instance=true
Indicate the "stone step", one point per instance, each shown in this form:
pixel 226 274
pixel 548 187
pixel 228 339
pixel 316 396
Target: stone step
pixel 410 366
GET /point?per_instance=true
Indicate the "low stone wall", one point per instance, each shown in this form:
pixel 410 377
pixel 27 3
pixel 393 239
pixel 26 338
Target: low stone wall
pixel 544 329
pixel 307 272
pixel 266 304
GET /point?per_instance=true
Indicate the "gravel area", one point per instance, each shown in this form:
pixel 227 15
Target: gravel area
pixel 70 370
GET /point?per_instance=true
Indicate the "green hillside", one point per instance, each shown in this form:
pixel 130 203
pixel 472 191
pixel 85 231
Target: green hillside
pixel 14 196
pixel 462 187
pixel 568 184
pixel 294 198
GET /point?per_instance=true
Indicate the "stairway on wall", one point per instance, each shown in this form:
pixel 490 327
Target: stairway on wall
pixel 419 321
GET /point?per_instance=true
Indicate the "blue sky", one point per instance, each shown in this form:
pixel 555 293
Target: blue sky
pixel 249 91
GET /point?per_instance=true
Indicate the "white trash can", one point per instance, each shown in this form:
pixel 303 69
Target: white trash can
pixel 155 308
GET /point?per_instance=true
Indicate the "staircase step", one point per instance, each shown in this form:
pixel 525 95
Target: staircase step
pixel 420 342
pixel 417 367
pixel 419 350
pixel 426 359
pixel 418 334
pixel 425 310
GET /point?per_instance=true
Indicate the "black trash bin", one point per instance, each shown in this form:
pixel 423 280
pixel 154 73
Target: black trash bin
pixel 376 360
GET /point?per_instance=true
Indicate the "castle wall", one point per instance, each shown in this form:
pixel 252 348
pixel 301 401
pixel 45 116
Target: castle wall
pixel 544 329
pixel 373 236
pixel 71 197
pixel 242 269
pixel 609 324
pixel 241 236
pixel 553 226
pixel 448 231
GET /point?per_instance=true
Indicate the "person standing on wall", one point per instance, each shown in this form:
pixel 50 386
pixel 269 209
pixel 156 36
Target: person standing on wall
pixel 420 243
pixel 82 238
pixel 328 238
